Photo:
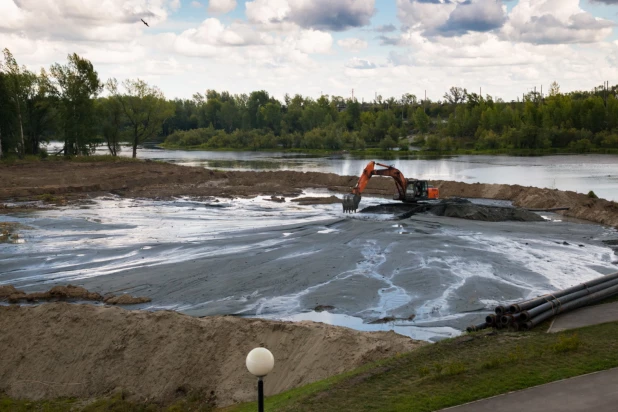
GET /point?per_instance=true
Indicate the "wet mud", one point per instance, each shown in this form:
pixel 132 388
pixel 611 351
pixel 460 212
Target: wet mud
pixel 306 201
pixel 427 272
pixel 457 208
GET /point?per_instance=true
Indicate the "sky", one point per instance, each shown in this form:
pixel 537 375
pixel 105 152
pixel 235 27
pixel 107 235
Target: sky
pixel 334 47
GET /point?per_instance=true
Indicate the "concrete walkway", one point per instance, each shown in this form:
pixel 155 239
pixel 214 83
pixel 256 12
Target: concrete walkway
pixel 595 392
pixel 586 316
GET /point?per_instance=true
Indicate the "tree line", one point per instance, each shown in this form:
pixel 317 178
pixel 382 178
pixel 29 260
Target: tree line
pixel 66 104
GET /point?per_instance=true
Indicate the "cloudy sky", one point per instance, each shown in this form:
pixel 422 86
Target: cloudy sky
pixel 388 47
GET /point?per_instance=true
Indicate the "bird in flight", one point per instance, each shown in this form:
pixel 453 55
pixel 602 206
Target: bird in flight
pixel 144 22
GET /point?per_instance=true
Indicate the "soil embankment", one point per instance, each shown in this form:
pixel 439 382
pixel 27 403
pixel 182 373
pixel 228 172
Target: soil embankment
pixel 57 181
pixel 61 349
pixel 66 293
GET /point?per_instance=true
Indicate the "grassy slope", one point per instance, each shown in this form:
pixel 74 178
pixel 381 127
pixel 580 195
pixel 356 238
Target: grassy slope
pixel 459 370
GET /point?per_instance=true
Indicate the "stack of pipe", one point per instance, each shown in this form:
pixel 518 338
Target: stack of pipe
pixel 527 314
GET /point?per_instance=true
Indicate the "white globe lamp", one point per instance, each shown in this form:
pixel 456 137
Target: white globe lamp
pixel 260 361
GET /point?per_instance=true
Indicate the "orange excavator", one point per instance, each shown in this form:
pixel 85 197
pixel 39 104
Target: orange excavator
pixel 408 190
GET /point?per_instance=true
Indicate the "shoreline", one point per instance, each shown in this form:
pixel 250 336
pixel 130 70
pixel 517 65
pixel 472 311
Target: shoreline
pixel 157 180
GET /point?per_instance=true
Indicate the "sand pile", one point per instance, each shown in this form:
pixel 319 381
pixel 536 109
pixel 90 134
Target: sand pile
pixel 85 351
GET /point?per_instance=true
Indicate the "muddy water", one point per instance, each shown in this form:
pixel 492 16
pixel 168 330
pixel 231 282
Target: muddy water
pixel 253 257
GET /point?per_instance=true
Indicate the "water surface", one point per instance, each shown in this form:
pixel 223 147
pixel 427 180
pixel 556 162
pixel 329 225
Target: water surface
pixel 578 173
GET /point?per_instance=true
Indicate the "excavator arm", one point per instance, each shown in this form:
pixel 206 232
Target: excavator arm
pixel 351 201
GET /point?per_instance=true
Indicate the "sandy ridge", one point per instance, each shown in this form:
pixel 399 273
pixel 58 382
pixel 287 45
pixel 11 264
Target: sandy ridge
pixel 61 349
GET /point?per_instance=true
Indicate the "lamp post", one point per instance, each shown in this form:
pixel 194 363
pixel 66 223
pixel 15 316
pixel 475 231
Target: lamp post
pixel 260 361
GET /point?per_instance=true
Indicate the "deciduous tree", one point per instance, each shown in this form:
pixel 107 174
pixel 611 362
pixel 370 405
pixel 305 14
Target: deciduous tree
pixel 145 108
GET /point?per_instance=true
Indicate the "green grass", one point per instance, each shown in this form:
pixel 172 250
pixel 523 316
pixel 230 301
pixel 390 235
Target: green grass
pixel 457 371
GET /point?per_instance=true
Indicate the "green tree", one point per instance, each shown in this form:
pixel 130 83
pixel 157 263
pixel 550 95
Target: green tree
pixel 554 89
pixel 271 116
pixel 18 80
pixel 421 120
pixel 41 112
pixel 78 84
pixel 112 118
pixel 229 115
pixel 145 108
pixel 388 143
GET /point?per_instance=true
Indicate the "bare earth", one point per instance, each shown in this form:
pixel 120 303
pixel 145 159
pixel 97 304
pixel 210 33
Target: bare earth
pixel 87 351
pixel 62 181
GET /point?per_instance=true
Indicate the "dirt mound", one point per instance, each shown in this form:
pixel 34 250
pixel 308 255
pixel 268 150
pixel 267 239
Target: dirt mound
pixel 458 208
pixel 580 205
pixel 48 181
pixel 60 349
pixel 305 201
pixel 485 213
pixel 68 292
pixel 8 290
pixel 126 300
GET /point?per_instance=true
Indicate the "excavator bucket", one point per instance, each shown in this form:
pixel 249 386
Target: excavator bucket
pixel 350 203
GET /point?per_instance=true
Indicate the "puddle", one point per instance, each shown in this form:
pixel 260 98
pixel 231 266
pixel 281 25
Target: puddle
pixel 407 328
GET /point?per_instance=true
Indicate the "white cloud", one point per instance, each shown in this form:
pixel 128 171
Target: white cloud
pixel 165 67
pixel 555 22
pixel 451 17
pixel 424 15
pixel 353 44
pixel 443 43
pixel 475 16
pixel 210 34
pixel 196 4
pixel 330 15
pixel 356 63
pixel 269 13
pixel 84 20
pixel 336 15
pixel 314 41
pixel 221 6
pixel 532 21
